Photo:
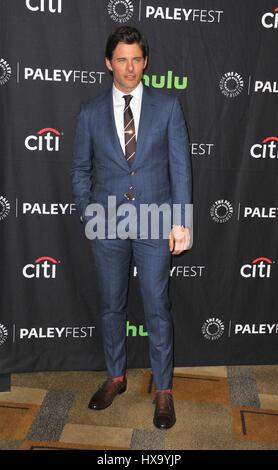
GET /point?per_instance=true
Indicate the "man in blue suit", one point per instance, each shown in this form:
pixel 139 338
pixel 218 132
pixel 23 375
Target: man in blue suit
pixel 131 142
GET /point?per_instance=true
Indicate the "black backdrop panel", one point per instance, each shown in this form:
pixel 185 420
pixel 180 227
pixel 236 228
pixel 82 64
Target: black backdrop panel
pixel 220 59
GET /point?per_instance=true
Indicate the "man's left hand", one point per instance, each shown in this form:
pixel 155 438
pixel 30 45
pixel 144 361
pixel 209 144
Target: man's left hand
pixel 179 239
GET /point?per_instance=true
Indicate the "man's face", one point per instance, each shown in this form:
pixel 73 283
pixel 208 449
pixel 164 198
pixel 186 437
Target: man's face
pixel 127 65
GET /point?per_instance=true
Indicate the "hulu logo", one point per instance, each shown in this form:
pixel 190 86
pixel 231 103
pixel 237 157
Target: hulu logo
pixel 132 330
pixel 166 81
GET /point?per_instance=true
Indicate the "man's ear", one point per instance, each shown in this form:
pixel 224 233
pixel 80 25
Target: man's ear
pixel 108 64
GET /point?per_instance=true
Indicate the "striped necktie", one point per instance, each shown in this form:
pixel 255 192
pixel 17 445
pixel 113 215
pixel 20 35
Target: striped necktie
pixel 129 131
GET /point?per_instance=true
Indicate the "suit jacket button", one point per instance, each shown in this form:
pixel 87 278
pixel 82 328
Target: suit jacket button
pixel 132 173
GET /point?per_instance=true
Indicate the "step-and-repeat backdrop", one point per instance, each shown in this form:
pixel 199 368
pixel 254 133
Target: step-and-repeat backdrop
pixel 220 58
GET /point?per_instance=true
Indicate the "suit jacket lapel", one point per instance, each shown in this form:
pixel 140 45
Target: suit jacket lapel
pixel 113 129
pixel 145 124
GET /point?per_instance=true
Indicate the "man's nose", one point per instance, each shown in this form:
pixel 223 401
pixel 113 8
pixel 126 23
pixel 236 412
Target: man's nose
pixel 130 66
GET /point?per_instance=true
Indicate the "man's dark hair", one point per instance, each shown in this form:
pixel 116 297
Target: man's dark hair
pixel 127 35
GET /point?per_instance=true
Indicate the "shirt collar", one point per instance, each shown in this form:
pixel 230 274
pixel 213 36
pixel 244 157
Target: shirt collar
pixel 136 93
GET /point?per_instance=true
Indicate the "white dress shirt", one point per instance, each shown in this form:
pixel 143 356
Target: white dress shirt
pixel 119 106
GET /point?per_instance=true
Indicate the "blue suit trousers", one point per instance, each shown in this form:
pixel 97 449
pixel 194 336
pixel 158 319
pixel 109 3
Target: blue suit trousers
pixel 153 261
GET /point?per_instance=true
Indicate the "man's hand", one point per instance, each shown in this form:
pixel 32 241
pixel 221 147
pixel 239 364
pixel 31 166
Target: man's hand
pixel 179 239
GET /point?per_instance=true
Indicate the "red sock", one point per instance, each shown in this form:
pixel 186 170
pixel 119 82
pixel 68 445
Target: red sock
pixel 120 378
pixel 169 390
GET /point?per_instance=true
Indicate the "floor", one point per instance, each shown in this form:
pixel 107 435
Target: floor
pixel 216 407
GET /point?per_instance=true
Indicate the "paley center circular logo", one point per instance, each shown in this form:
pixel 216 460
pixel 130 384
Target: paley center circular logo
pixel 3 334
pixel 221 211
pixel 120 10
pixel 5 207
pixel 231 84
pixel 5 72
pixel 213 329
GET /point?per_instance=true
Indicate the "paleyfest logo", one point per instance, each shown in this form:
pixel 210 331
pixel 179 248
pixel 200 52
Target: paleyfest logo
pixel 3 334
pixel 120 10
pixel 213 329
pixel 5 207
pixel 5 72
pixel 231 84
pixel 183 14
pixel 60 75
pixel 221 211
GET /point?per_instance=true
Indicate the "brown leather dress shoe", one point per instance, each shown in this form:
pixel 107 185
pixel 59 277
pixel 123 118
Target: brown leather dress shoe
pixel 105 395
pixel 164 415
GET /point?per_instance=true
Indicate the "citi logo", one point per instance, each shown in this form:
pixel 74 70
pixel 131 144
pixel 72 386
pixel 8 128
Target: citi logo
pixel 267 149
pixel 166 81
pixel 44 267
pixel 47 139
pixel 5 72
pixel 132 330
pixel 51 6
pixel 270 20
pixel 259 267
